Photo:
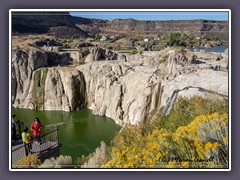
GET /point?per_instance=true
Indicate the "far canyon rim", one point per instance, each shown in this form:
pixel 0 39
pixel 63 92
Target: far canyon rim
pixel 56 23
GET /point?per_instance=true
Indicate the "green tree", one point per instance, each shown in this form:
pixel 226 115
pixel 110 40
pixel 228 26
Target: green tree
pixel 97 37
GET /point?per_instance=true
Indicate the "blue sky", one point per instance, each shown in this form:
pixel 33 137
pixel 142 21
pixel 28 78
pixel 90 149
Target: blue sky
pixel 154 15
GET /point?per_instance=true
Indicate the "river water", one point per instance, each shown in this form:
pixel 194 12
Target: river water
pixel 212 49
pixel 80 132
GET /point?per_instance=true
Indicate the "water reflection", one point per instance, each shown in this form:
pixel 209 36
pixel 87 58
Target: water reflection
pixel 80 132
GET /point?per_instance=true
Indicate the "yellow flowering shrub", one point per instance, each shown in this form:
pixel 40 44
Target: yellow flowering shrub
pixel 203 143
pixel 27 162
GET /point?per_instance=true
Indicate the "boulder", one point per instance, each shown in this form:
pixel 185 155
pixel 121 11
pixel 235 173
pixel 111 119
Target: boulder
pixel 97 54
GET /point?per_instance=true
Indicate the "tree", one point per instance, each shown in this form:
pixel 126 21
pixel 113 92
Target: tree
pixel 174 38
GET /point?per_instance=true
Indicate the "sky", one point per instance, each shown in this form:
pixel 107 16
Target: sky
pixel 211 15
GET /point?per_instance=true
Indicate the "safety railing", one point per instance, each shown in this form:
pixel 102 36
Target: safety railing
pixel 37 146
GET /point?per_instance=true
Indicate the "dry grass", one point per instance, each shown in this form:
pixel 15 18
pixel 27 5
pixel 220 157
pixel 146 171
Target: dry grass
pixel 59 162
pixel 25 41
pixel 96 159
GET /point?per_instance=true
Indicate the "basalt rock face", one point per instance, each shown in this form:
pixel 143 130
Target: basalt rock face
pixel 56 88
pixel 59 24
pixel 35 85
pixel 67 32
pixel 121 91
pixel 127 91
pixel 97 54
pixel 39 22
pixel 130 93
pixel 24 63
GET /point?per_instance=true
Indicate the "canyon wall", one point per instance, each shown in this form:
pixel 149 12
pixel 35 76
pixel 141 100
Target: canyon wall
pixel 25 64
pixel 128 91
pixel 63 25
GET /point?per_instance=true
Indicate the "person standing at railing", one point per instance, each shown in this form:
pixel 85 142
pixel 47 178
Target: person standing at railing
pixel 26 138
pixel 36 128
pixel 14 124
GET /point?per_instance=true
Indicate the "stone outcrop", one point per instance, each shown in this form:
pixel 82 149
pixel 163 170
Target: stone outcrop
pixel 59 24
pixel 67 32
pixel 97 53
pixel 212 55
pixel 57 88
pixel 121 91
pixel 172 63
pixel 55 59
pixel 24 63
pixel 47 42
pixel 128 91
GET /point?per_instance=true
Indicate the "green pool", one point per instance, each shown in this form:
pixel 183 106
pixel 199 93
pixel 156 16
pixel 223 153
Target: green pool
pixel 80 132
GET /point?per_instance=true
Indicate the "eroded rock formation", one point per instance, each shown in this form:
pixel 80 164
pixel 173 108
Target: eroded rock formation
pixel 24 63
pixel 97 53
pixel 57 88
pixel 128 91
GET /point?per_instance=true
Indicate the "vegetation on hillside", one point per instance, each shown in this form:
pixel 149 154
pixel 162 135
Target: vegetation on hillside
pixel 194 135
pixel 27 162
pixel 156 43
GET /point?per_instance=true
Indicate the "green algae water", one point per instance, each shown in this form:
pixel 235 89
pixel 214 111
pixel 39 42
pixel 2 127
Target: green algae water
pixel 80 132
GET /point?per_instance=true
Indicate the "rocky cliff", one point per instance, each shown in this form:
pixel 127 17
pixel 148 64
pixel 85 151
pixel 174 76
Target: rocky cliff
pixel 98 54
pixel 24 64
pixel 58 24
pixel 130 94
pixel 128 91
pixel 57 88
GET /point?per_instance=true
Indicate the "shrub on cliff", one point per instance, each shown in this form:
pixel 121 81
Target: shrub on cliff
pixel 185 110
pixel 95 159
pixel 133 51
pixel 194 135
pixel 58 162
pixel 196 145
pixel 27 162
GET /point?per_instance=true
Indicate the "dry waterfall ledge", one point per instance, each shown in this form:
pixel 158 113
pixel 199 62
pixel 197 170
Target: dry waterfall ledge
pixel 127 91
pixel 130 94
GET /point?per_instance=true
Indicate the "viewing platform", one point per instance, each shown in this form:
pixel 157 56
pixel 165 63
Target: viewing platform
pixel 48 146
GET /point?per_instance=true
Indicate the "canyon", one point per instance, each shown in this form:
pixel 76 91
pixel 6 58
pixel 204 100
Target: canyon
pixel 127 88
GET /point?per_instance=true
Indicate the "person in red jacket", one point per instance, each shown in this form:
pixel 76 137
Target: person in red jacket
pixel 36 127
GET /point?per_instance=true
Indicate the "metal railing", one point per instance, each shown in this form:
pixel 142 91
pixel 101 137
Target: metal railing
pixel 37 146
pixel 19 126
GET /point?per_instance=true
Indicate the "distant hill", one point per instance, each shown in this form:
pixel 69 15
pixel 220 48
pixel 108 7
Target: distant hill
pixel 45 22
pixel 196 27
pixel 74 27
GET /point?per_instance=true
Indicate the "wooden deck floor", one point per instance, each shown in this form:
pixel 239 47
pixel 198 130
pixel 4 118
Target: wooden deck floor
pixel 18 150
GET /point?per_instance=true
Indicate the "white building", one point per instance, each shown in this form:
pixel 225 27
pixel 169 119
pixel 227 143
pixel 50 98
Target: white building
pixel 145 40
